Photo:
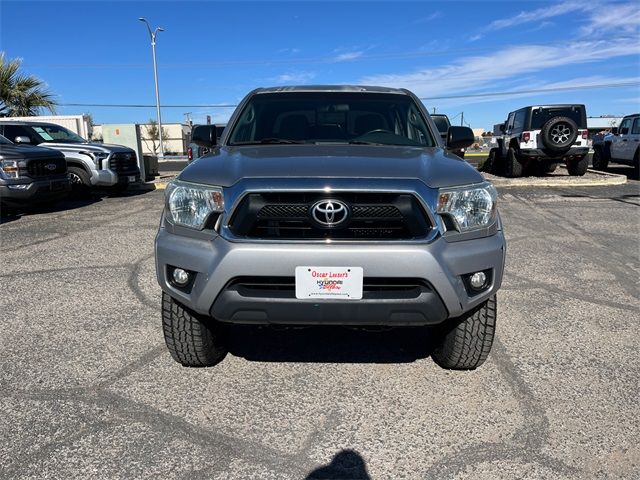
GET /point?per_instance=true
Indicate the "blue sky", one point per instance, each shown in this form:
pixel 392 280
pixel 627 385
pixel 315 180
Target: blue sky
pixel 214 52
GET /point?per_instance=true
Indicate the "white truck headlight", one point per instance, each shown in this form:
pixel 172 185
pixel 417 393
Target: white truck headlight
pixel 190 204
pixel 470 208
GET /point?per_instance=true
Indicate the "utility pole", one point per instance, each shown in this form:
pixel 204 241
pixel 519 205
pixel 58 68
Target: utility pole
pixel 462 119
pixel 152 36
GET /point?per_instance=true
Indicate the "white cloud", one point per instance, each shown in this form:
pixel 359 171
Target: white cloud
pixel 619 19
pixel 293 77
pixel 475 38
pixel 345 57
pixel 542 13
pixel 429 18
pixel 478 73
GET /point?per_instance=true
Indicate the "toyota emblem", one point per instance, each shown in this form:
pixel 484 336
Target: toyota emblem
pixel 330 213
pixel 51 166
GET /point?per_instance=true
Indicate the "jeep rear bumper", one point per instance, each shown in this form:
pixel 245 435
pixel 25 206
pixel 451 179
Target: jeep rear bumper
pixel 537 153
pixel 436 270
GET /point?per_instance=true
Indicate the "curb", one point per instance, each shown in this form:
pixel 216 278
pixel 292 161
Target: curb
pixel 560 181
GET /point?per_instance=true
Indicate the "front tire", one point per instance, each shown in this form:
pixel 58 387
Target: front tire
pixel 578 166
pixel 465 344
pixel 513 165
pixel 192 340
pixel 80 181
pixel 600 159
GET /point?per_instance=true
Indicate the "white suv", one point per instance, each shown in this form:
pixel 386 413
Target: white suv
pixel 539 137
pixel 622 145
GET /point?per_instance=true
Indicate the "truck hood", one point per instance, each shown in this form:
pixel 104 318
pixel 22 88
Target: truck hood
pixel 87 147
pixel 19 152
pixel 433 166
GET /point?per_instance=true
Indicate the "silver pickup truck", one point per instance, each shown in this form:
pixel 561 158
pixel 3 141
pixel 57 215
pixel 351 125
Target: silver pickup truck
pixel 89 164
pixel 621 145
pixel 335 205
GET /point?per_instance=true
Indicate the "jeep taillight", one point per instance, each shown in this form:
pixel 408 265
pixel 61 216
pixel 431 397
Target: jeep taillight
pixel 190 153
pixel 585 134
pixel 526 136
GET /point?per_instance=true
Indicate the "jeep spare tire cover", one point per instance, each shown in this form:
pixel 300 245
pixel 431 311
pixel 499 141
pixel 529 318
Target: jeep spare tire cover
pixel 559 133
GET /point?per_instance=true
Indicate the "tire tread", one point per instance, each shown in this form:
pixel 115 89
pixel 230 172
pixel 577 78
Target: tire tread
pixel 466 346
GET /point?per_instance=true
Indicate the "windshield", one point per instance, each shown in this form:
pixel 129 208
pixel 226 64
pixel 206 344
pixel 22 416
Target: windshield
pixel 57 134
pixel 331 117
pixel 5 141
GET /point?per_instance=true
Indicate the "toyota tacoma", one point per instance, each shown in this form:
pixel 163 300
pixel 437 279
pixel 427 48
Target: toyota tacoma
pixel 330 205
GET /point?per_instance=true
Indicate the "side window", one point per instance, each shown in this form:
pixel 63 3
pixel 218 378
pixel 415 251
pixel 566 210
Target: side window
pixel 13 131
pixel 518 120
pixel 626 123
pixel 636 126
pixel 510 121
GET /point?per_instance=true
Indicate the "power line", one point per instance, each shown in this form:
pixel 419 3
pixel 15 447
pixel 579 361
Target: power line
pixel 445 97
pixel 538 90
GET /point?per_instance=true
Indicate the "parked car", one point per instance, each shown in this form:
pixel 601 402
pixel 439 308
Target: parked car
pixel 89 164
pixel 330 206
pixel 442 124
pixel 622 145
pixel 195 151
pixel 31 174
pixel 539 137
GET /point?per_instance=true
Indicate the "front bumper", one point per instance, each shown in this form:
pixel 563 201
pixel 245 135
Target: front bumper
pixel 110 178
pixel 439 264
pixel 25 190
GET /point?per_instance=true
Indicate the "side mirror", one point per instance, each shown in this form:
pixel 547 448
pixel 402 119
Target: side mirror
pixel 614 130
pixel 624 131
pixel 22 139
pixel 204 135
pixel 502 127
pixel 459 137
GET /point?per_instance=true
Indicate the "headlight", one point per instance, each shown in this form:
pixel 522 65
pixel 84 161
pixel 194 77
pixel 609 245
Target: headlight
pixel 97 157
pixel 9 168
pixel 190 205
pixel 470 208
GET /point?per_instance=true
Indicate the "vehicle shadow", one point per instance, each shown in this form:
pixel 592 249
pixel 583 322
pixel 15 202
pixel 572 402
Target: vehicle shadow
pixel 331 344
pixel 623 170
pixel 346 464
pixel 12 213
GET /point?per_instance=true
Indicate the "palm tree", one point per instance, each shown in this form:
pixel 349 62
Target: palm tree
pixel 22 95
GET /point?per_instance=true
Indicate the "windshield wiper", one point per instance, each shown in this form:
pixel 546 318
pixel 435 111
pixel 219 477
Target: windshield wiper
pixel 363 142
pixel 269 141
pixel 280 140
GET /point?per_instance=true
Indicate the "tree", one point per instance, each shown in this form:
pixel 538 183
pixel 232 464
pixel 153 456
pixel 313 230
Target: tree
pixel 22 95
pixel 153 132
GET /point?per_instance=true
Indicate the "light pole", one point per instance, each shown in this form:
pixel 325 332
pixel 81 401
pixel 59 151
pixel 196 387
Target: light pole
pixel 152 36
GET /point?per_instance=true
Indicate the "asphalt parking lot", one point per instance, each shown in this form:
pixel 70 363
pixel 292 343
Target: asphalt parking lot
pixel 88 390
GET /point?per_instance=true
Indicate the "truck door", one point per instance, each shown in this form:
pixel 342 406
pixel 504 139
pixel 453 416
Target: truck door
pixel 620 144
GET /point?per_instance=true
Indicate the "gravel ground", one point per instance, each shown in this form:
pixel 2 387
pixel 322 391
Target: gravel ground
pixel 87 388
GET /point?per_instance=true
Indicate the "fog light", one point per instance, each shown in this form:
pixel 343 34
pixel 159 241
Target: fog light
pixel 180 277
pixel 478 280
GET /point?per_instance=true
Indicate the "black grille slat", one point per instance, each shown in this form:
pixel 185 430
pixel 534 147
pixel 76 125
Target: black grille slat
pixel 373 216
pixel 41 167
pixel 123 163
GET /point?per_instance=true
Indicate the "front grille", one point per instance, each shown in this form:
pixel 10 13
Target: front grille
pixel 287 216
pixel 390 286
pixel 46 167
pixel 123 163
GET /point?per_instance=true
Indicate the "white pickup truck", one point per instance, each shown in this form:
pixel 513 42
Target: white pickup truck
pixel 622 145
